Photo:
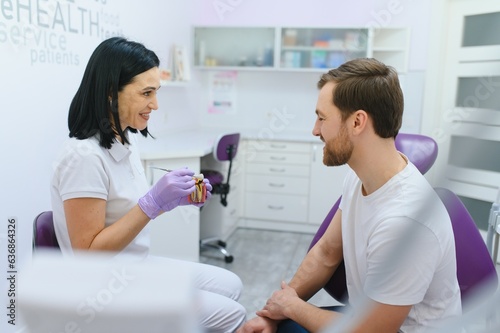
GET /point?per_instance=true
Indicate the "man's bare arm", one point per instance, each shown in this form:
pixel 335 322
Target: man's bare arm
pixel 320 262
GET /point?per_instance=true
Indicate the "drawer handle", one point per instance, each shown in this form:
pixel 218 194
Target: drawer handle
pixel 277 170
pixel 275 207
pixel 278 158
pixel 273 145
pixel 276 185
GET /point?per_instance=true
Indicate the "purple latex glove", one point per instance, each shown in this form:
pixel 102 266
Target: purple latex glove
pixel 168 192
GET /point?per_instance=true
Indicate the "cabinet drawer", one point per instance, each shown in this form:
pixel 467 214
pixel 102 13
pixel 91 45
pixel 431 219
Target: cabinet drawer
pixel 280 158
pixel 283 146
pixel 277 146
pixel 288 208
pixel 278 170
pixel 279 185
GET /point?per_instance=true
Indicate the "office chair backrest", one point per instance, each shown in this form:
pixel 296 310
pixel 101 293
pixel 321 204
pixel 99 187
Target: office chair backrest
pixel 43 231
pixel 475 267
pixel 422 151
pixel 226 147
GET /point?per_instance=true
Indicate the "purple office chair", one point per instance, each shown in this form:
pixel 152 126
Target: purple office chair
pixel 422 152
pixel 43 231
pixel 225 149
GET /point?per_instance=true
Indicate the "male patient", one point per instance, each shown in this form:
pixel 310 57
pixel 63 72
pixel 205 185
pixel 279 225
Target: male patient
pixel 391 229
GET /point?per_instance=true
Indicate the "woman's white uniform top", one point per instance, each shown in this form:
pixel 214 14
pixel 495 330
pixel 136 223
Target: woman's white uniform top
pixel 87 170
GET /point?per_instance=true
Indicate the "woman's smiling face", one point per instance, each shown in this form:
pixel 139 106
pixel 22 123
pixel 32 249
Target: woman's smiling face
pixel 137 99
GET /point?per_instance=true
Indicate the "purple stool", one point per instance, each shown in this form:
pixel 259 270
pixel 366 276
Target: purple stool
pixel 225 149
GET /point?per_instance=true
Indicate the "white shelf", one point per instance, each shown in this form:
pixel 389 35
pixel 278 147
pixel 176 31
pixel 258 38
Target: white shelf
pixel 257 69
pixel 295 49
pixel 389 49
pixel 315 48
pixel 236 68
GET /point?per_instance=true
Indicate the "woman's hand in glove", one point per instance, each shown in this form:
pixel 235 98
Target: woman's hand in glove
pixel 169 192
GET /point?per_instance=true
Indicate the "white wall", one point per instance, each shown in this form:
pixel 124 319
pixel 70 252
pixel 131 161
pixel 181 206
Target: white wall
pixel 36 92
pixel 259 94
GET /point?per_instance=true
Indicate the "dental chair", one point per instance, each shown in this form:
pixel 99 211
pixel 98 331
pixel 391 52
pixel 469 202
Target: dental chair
pixel 422 151
pixel 475 268
pixel 493 235
pixel 474 265
pixel 225 149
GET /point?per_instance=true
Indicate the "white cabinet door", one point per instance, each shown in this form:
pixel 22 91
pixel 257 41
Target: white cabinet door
pixel 467 122
pixel 325 185
pixel 175 234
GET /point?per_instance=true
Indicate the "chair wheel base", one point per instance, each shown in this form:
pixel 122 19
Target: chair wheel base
pixel 218 245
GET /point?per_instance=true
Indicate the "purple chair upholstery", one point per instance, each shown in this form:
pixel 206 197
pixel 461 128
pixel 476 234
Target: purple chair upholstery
pixel 475 267
pixel 225 149
pixel 422 151
pixel 337 285
pixel 43 231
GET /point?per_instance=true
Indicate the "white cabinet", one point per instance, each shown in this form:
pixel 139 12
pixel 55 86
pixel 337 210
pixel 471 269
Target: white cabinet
pixel 234 47
pixel 391 45
pixel 276 181
pixel 297 48
pixel 321 47
pixel 287 186
pixel 174 234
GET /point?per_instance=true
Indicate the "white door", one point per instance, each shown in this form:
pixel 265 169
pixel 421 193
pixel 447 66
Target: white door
pixel 468 127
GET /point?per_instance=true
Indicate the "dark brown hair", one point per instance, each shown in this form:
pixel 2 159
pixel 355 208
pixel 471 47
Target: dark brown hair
pixel 113 64
pixel 369 85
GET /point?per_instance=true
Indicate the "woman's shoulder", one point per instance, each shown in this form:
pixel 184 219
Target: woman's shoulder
pixel 82 145
pixel 80 150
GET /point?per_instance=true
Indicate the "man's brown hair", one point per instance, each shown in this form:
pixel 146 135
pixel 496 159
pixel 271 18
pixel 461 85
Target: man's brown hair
pixel 369 85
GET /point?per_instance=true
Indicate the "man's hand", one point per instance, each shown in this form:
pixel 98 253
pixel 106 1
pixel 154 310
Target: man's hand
pixel 280 302
pixel 259 325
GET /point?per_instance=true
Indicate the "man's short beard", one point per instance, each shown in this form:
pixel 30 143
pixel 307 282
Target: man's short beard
pixel 338 151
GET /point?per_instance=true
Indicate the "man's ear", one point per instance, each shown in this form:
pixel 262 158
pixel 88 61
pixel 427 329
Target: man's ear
pixel 360 121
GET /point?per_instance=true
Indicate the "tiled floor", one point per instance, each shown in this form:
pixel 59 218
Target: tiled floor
pixel 262 259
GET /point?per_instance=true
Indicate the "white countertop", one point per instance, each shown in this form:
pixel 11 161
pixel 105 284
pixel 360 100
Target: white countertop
pixel 199 142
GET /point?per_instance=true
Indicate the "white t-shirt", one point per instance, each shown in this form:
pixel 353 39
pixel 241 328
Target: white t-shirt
pixel 399 248
pixel 87 170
